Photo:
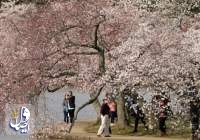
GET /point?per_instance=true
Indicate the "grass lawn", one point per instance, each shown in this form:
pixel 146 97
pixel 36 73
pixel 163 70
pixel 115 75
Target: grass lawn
pixel 183 133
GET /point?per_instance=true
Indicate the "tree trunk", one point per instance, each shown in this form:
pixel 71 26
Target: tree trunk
pixel 101 61
pixel 97 107
pixel 94 98
pixel 101 53
pixel 96 103
pixel 102 70
pixel 121 111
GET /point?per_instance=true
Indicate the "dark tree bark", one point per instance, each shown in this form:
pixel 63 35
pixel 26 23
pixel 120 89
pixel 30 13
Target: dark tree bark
pixel 102 61
pixel 97 106
pixel 95 97
pixel 101 53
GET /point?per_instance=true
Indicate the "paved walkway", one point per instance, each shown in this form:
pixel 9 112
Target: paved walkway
pixel 78 132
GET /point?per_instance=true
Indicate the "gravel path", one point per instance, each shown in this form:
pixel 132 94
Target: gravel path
pixel 78 131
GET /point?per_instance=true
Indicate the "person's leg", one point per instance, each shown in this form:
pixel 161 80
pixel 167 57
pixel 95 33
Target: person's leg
pixel 107 125
pixel 162 126
pixel 143 121
pixel 101 128
pixel 115 116
pixel 110 131
pixel 70 116
pixel 195 126
pixel 193 132
pixel 112 117
pixel 65 116
pixel 136 124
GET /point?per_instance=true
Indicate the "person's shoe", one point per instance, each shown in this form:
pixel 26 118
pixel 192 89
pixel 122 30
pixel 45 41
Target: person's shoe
pixel 107 136
pixel 98 135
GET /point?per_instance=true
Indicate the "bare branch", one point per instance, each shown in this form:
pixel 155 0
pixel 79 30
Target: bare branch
pixel 55 88
pixel 61 74
pixel 23 78
pixel 84 105
pixel 83 53
pixel 143 52
pixel 15 26
pixel 96 35
pixel 64 29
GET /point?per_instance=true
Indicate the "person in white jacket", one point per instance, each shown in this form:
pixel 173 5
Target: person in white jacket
pixel 105 119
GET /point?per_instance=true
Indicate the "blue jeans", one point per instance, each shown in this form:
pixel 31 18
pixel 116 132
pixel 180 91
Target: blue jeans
pixel 113 116
pixel 66 117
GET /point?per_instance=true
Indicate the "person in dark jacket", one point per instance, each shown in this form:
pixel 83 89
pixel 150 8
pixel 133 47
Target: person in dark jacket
pixel 162 116
pixel 71 106
pixel 65 109
pixel 105 119
pixel 195 115
pixel 139 115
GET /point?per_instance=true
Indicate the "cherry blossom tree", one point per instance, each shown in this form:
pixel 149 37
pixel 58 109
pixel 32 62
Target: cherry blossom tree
pixel 95 44
pixel 156 54
pixel 57 44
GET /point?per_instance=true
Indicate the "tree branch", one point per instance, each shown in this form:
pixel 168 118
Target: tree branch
pixel 84 105
pixel 61 74
pixel 83 53
pixel 54 89
pixel 143 52
pixel 69 54
pixel 64 29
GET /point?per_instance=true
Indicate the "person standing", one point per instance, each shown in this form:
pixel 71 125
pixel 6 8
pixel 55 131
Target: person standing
pixel 105 119
pixel 195 115
pixel 65 109
pixel 162 116
pixel 71 106
pixel 113 110
pixel 139 115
